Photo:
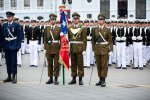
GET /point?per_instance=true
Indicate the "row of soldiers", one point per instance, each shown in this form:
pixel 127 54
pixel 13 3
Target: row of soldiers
pixel 130 42
pixel 126 50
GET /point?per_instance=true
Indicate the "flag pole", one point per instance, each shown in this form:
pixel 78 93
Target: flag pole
pixel 63 69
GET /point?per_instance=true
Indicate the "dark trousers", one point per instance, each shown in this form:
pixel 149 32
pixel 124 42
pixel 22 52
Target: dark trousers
pixel 77 65
pixel 53 69
pixel 11 61
pixel 102 65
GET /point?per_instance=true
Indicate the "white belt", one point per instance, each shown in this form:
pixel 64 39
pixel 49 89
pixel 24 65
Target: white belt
pixel 53 41
pixel 10 39
pixel 102 43
pixel 77 42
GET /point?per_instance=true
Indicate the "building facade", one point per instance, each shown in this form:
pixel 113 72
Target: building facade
pixel 88 9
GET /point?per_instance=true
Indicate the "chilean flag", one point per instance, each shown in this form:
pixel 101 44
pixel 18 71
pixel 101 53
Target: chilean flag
pixel 64 48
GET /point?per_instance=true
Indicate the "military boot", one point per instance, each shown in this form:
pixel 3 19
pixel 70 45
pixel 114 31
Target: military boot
pixel 73 81
pixel 8 79
pixel 100 82
pixel 103 84
pixel 50 81
pixel 56 81
pixel 14 78
pixel 80 81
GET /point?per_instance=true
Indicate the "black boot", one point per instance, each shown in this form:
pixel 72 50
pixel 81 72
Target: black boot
pixel 50 81
pixel 100 82
pixel 56 81
pixel 73 81
pixel 8 79
pixel 103 84
pixel 14 78
pixel 80 81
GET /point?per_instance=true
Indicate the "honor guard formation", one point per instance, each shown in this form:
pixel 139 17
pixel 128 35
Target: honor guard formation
pixel 101 43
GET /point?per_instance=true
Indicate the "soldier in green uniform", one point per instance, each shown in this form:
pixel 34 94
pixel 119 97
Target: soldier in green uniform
pixel 78 41
pixel 102 45
pixel 52 47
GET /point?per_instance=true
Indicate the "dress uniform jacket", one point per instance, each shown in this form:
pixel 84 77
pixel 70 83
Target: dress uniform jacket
pixel 16 32
pixel 80 36
pixel 27 34
pixel 49 45
pixel 34 33
pixel 148 36
pixel 101 49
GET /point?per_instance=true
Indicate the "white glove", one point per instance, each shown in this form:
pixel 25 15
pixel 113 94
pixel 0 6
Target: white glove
pixel 93 53
pixel 110 53
pixel 61 34
pixel 44 51
pixel 84 53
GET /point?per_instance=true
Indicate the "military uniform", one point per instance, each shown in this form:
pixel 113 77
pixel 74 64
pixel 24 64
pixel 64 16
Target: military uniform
pixel 12 37
pixel 27 36
pixel 102 45
pixel 52 47
pixel 121 47
pixel 34 33
pixel 137 39
pixel 78 42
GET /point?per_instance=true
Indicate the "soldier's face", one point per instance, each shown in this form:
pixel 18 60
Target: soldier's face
pixel 75 20
pixel 10 18
pixel 101 22
pixel 52 22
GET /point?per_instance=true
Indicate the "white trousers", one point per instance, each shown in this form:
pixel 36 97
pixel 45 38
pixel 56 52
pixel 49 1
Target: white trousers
pixel 114 54
pixel 137 54
pixel 33 52
pixel 144 49
pixel 128 55
pixel 121 54
pixel 23 48
pixel 87 56
pixel 19 59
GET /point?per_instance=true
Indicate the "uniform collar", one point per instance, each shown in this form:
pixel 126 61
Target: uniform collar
pixel 53 26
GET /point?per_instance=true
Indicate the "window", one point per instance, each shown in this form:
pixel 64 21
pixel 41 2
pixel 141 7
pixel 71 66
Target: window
pixel 122 8
pixel 140 9
pixel 89 16
pixel 26 3
pixel 13 3
pixel 89 1
pixel 104 8
pixel 39 3
pixel 1 3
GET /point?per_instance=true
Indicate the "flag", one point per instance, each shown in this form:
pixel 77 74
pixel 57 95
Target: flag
pixel 64 48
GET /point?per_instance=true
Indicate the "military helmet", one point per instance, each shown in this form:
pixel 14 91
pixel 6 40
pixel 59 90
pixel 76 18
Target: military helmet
pixel 101 17
pixel 52 16
pixel 75 15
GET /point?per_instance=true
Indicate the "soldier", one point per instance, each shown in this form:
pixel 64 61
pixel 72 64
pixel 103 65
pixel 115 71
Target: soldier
pixel 34 33
pixel 12 37
pixel 137 38
pixel 120 46
pixel 27 35
pixel 78 41
pixel 102 45
pixel 52 47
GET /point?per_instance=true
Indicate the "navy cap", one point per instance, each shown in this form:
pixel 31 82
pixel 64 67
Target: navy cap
pixel 9 14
